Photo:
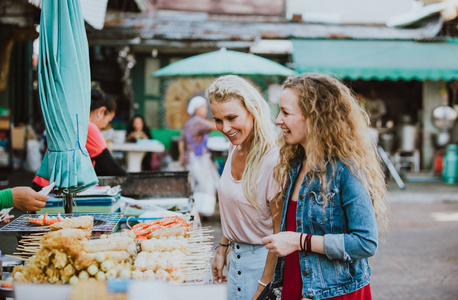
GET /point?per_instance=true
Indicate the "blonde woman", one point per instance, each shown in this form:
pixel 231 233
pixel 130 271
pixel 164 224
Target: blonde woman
pixel 246 187
pixel 334 192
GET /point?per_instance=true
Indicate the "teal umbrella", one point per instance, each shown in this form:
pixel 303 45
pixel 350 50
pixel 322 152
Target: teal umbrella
pixel 65 95
pixel 224 62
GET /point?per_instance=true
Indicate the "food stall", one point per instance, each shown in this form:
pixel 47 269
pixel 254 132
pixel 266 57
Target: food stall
pixel 81 250
pixel 72 251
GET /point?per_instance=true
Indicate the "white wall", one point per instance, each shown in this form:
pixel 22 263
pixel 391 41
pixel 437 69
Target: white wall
pixel 348 11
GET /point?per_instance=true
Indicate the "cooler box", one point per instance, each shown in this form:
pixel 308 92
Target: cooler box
pixel 98 199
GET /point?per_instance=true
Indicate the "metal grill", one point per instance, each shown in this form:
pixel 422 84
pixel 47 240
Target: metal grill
pixel 102 222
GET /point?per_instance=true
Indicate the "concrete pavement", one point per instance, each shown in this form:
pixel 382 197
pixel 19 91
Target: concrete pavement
pixel 418 256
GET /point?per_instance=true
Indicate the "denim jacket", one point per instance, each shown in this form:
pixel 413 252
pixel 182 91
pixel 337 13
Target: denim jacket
pixel 349 228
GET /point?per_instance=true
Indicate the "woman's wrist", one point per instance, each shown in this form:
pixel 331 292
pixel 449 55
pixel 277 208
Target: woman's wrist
pixel 262 283
pixel 223 246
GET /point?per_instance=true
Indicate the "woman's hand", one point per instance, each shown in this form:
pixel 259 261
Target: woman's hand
pixel 142 136
pixel 218 265
pixel 283 243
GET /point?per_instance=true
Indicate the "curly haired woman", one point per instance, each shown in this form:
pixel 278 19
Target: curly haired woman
pixel 333 196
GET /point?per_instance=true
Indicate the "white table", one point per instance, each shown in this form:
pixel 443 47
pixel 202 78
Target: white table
pixel 136 151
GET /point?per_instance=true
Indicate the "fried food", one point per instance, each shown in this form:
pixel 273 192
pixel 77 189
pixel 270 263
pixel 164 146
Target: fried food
pixel 116 256
pixel 124 234
pixel 83 222
pixel 165 244
pixel 79 234
pixel 169 232
pixel 64 243
pixel 111 244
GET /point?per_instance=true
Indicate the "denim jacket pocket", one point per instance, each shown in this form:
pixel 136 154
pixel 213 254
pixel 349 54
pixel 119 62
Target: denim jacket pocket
pixel 320 213
pixel 335 273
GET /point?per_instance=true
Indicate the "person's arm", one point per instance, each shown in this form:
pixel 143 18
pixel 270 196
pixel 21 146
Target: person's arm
pixel 211 125
pixel 23 198
pixel 181 147
pixel 6 199
pixel 105 165
pixel 131 137
pixel 220 260
pixel 361 239
pixel 286 242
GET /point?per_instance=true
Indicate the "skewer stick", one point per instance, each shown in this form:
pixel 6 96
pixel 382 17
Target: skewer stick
pixel 38 233
pixel 30 251
pixel 29 241
pixel 19 247
pixel 17 257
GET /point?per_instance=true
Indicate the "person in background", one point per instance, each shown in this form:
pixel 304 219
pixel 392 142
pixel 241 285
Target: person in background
pixel 22 198
pixel 103 109
pixel 376 108
pixel 195 135
pixel 137 130
pixel 246 187
pixel 195 156
pixel 334 192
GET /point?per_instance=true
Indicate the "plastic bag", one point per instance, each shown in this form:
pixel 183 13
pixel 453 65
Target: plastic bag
pixel 34 156
pixel 204 181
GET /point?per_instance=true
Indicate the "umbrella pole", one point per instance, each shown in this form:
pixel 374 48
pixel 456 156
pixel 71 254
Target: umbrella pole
pixel 68 201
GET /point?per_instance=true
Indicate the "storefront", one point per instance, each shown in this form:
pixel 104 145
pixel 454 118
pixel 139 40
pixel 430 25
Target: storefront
pixel 410 76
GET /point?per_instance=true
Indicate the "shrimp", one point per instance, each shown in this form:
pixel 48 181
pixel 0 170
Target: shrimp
pixel 45 220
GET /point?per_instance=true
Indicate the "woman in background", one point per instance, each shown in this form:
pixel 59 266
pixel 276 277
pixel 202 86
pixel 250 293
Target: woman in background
pixel 334 192
pixel 195 156
pixel 195 134
pixel 138 130
pixel 246 187
pixel 103 109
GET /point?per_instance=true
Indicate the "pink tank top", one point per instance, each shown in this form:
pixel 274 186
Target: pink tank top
pixel 240 221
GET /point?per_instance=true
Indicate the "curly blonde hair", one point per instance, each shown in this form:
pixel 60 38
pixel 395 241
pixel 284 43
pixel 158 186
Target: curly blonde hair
pixel 337 129
pixel 263 138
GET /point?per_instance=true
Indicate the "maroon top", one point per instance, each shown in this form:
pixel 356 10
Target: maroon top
pixel 292 280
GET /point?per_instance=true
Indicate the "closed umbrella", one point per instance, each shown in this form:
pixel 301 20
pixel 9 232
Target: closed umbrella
pixel 64 88
pixel 224 62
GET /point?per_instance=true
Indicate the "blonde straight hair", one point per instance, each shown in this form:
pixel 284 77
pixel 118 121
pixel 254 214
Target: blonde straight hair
pixel 263 138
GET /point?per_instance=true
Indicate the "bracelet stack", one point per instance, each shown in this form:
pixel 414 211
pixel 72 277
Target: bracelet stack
pixel 307 244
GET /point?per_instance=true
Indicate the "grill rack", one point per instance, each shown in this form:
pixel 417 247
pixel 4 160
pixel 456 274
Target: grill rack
pixel 103 222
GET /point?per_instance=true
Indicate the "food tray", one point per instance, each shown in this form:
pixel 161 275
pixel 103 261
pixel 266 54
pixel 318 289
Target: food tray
pixel 102 222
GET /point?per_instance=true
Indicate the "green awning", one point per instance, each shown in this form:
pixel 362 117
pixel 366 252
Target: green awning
pixel 370 59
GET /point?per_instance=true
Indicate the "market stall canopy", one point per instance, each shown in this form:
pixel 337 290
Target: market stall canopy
pixel 371 59
pixel 65 95
pixel 224 62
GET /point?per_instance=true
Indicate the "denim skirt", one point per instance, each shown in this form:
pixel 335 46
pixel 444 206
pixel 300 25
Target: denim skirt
pixel 246 266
